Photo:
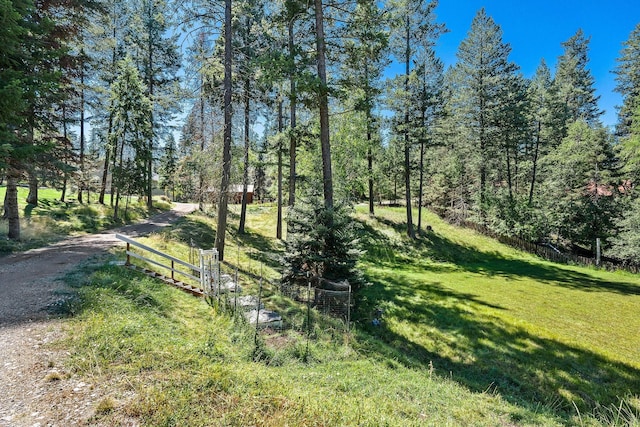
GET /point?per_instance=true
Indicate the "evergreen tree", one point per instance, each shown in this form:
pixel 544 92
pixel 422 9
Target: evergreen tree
pixel 575 82
pixel 106 40
pixel 628 79
pixel 31 52
pixel 365 49
pixel 294 69
pixel 323 106
pixel 430 109
pixel 158 55
pixel 221 228
pixel 249 46
pixel 546 122
pixel 413 30
pixel 580 189
pixel 321 243
pixel 481 80
pixel 287 68
pixel 626 243
pixel 169 167
pixel 12 104
pixel 130 108
pixel 513 133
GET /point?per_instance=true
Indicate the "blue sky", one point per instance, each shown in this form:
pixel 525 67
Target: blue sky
pixel 535 30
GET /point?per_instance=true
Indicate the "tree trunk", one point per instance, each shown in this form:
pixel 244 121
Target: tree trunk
pixel 226 151
pixel 66 157
pixel 107 159
pixel 32 197
pixel 509 175
pixel 293 120
pixel 420 192
pixel 118 167
pixel 81 183
pixel 105 174
pixel 483 166
pixel 114 58
pixel 202 141
pixel 149 189
pixel 245 174
pixel 150 85
pixel 407 147
pixel 325 142
pixel 5 208
pixel 63 193
pixel 279 148
pixel 369 150
pixel 395 188
pixel 370 171
pixel 11 206
pixel 115 165
pixel 535 164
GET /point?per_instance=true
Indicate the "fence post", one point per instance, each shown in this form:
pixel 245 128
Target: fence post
pixel 255 338
pixel 306 352
pixel 349 310
pixel 202 279
pixel 128 263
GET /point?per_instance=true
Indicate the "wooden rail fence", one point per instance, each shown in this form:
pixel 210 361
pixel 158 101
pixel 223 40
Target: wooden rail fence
pixel 197 280
pixel 549 253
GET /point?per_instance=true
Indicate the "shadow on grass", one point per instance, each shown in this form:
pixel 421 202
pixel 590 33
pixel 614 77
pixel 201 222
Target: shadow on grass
pixel 200 233
pixel 28 210
pixel 467 258
pixel 259 248
pixel 483 352
pixel 193 231
pixel 89 218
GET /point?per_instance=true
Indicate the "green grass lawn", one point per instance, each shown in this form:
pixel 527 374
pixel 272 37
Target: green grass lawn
pixel 497 318
pixel 473 333
pixel 52 219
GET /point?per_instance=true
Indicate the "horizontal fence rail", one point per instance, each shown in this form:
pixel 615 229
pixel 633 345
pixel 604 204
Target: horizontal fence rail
pixel 196 272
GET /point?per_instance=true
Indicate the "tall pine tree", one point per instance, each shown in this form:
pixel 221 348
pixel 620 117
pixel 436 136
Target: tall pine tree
pixel 365 47
pixel 628 78
pixel 413 30
pixel 576 83
pixel 483 74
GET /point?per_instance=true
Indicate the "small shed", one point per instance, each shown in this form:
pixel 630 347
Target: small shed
pixel 235 193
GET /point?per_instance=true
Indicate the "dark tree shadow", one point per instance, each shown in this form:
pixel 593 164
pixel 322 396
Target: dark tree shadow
pixel 470 259
pixel 197 231
pixel 483 352
pixel 193 231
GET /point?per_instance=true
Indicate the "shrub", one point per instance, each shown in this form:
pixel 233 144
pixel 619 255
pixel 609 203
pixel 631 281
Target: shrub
pixel 321 242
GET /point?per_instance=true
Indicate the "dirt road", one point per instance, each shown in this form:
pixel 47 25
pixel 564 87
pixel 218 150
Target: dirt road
pixel 30 393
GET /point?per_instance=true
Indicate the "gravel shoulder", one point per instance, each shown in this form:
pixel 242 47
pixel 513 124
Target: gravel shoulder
pixel 34 391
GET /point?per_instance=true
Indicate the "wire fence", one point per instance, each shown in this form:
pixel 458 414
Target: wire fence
pixel 551 254
pixel 306 309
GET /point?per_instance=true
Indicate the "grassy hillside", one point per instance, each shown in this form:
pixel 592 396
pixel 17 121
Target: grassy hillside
pixel 472 333
pixel 500 319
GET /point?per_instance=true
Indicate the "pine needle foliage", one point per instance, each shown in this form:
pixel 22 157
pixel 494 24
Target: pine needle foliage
pixel 321 242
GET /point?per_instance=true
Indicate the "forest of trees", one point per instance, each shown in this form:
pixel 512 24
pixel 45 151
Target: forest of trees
pixel 296 98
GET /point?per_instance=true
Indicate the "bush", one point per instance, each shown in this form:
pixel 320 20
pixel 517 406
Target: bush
pixel 321 242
